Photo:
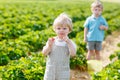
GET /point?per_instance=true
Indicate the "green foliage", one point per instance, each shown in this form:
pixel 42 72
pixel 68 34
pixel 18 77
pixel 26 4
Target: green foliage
pixel 29 68
pixel 116 54
pixel 4 59
pixel 111 72
pixel 79 61
pixel 118 44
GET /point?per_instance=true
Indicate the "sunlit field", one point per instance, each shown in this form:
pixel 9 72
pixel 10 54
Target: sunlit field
pixel 25 26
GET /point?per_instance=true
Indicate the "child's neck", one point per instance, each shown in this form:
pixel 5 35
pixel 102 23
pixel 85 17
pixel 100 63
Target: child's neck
pixel 59 38
pixel 96 16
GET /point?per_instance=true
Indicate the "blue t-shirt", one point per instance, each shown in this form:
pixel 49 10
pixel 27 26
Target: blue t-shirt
pixel 94 32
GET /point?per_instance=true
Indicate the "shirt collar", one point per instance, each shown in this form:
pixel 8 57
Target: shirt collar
pixel 94 16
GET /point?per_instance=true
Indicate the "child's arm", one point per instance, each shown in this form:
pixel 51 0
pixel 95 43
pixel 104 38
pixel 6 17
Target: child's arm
pixel 71 46
pixel 85 34
pixel 102 27
pixel 47 48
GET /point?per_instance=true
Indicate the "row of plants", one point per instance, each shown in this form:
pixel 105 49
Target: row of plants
pixel 17 21
pixel 15 49
pixel 39 19
pixel 111 71
pixel 26 68
pixel 35 40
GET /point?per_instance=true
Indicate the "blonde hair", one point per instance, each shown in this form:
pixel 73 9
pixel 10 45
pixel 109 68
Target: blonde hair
pixel 63 21
pixel 97 3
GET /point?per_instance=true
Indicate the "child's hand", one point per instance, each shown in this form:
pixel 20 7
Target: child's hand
pixel 85 40
pixel 102 27
pixel 50 41
pixel 47 48
pixel 66 39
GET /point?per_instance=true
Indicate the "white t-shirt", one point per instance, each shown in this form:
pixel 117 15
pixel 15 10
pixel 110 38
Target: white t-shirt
pixel 63 43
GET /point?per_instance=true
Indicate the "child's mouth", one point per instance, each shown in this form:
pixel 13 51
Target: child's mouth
pixel 62 34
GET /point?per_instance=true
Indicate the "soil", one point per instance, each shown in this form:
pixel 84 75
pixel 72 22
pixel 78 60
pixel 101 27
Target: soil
pixel 109 46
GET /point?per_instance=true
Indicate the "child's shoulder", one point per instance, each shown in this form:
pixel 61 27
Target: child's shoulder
pixel 102 17
pixel 89 17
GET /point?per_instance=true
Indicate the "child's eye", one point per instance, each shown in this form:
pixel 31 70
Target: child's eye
pixel 64 28
pixel 95 9
pixel 58 28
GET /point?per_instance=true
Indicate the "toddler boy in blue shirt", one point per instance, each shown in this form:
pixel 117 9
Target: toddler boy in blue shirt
pixel 94 28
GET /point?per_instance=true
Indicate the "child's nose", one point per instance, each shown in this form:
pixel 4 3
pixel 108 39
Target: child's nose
pixel 62 30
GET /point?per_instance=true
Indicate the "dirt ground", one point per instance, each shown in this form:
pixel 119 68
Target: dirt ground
pixel 109 46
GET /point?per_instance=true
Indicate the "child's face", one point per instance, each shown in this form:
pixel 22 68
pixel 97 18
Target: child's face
pixel 62 31
pixel 97 11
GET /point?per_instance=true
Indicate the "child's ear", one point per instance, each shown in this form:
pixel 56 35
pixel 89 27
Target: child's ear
pixel 91 9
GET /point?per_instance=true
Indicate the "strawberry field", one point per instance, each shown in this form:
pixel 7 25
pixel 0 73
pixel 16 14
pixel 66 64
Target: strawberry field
pixel 25 27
